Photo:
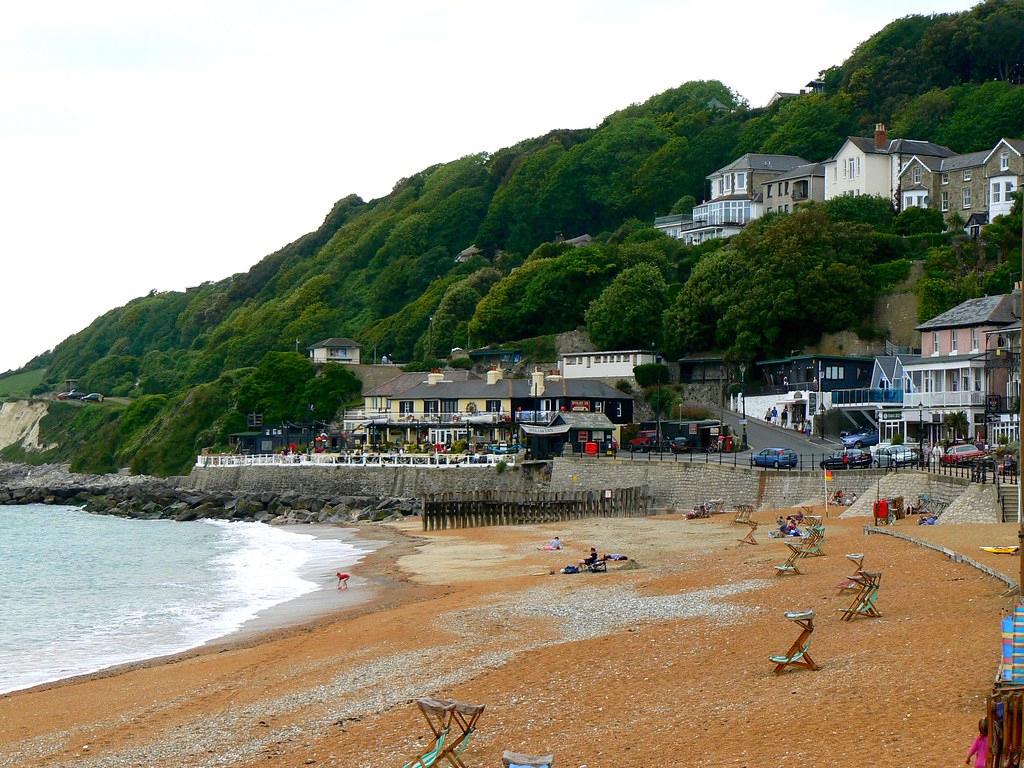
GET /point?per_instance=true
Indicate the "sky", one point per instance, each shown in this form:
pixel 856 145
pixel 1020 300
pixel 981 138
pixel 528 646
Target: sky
pixel 158 145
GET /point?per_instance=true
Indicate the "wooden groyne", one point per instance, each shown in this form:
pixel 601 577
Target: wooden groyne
pixel 481 508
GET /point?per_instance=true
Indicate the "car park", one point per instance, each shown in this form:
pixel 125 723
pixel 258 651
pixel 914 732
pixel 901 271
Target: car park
pixel 852 458
pixel 962 454
pixel 863 438
pixel 897 456
pixel 777 458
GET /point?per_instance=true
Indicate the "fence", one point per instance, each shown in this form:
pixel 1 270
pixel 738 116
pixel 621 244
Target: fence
pixel 481 508
pixel 979 471
pixel 427 461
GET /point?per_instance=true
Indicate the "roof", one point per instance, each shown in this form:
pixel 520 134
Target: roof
pixel 406 381
pixel 334 342
pixel 944 359
pixel 977 219
pixel 576 420
pixel 612 352
pixel 888 365
pixel 988 310
pixel 931 164
pixel 532 429
pixel 807 169
pixel 477 388
pixel 899 146
pixel 795 358
pixel 753 161
pixel 969 160
pixel 1017 145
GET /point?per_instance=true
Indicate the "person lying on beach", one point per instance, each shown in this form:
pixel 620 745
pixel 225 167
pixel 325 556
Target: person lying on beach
pixel 553 545
pixel 792 529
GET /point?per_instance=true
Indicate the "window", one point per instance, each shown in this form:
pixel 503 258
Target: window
pixel 1004 161
pixel 974 339
pixel 449 405
pixel 835 173
pixel 916 174
pixel 945 178
pixel 431 406
pixel 835 372
pixel 851 164
pixel 770 190
pixel 945 200
pixel 494 406
pixel 786 208
pixel 935 343
pixel 953 342
pixel 967 197
pixel 769 210
pixel 967 174
pixel 908 201
pixel 995 192
pixel 1008 189
pixel 741 181
pixel 787 187
pixel 406 407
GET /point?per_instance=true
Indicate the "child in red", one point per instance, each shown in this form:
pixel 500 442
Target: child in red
pixel 980 746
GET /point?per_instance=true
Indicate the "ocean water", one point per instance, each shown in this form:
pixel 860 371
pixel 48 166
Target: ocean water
pixel 81 592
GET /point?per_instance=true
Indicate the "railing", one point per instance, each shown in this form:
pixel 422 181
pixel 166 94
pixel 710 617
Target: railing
pixel 432 461
pixel 943 399
pixel 394 419
pixel 867 396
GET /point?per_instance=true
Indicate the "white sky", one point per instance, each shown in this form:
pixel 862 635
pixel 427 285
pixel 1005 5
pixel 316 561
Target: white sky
pixel 159 144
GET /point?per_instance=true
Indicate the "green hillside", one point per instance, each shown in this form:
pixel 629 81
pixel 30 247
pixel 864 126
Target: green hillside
pixel 379 270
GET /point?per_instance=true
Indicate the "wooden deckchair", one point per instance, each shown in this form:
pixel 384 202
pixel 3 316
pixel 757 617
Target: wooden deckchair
pixel 850 582
pixel 743 513
pixel 439 718
pixel 535 761
pixel 864 601
pixel 797 655
pixel 813 545
pixel 790 567
pixel 749 538
pixel 458 719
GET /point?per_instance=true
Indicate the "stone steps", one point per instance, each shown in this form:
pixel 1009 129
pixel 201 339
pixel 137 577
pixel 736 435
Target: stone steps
pixel 1008 502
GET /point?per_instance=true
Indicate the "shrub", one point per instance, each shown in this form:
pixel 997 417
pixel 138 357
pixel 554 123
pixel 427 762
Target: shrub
pixel 650 374
pixel 500 467
pixel 624 386
pixel 897 439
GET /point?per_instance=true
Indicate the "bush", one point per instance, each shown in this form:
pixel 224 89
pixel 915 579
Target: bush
pixel 624 386
pixel 463 363
pixel 888 275
pixel 500 467
pixel 897 439
pixel 460 446
pixel 650 374
pixel 918 221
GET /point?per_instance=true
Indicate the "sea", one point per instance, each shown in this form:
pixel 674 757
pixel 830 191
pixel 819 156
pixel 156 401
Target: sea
pixel 81 592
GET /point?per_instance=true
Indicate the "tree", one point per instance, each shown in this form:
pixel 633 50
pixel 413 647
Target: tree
pixel 918 221
pixel 684 205
pixel 651 374
pixel 624 314
pixel 957 424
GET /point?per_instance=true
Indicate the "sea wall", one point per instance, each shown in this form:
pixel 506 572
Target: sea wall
pixel 910 484
pixel 378 482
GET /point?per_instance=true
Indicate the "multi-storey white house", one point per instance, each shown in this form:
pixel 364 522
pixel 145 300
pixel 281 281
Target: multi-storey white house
pixel 734 201
pixel 336 350
pixel 872 166
pixel 617 364
pixel 1004 169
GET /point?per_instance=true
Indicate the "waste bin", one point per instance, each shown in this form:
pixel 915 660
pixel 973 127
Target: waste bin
pixel 728 443
pixel 881 512
pixel 590 448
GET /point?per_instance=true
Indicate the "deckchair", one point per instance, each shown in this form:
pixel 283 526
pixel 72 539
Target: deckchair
pixel 850 582
pixel 743 512
pixel 439 718
pixel 813 545
pixel 797 655
pixel 458 717
pixel 534 761
pixel 749 538
pixel 864 601
pixel 790 567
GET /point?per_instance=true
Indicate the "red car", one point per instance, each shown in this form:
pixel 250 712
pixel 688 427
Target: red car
pixel 961 454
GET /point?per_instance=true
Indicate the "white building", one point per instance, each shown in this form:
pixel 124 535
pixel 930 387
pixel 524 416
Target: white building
pixel 334 351
pixel 605 365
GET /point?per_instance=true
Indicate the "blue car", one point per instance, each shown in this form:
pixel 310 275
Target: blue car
pixel 860 439
pixel 776 458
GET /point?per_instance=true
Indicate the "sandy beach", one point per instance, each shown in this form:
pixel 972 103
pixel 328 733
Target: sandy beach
pixel 660 661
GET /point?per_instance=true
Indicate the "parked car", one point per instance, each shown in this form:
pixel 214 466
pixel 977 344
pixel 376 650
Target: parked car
pixel 775 457
pixel 93 397
pixel 877 447
pixel 645 441
pixel 961 454
pixel 72 394
pixel 851 458
pixel 897 456
pixel 861 439
pixel 679 445
pixel 502 449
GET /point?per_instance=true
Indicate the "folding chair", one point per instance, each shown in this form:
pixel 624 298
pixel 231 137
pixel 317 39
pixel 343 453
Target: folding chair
pixel 850 582
pixel 448 715
pixel 513 759
pixel 797 655
pixel 439 718
pixel 815 541
pixel 749 538
pixel 790 567
pixel 743 512
pixel 864 601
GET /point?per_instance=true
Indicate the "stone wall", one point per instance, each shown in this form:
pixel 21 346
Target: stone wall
pixel 357 481
pixel 977 504
pixel 909 484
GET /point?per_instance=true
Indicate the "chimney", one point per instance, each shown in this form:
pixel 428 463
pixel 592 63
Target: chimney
pixel 553 375
pixel 537 383
pixel 881 136
pixel 434 378
pixel 494 376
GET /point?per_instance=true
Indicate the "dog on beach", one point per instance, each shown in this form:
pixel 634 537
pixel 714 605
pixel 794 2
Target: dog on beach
pixel 343 580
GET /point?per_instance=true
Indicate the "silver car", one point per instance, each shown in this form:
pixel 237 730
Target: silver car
pixel 897 456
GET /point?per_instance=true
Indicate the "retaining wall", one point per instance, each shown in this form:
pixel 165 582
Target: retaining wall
pixel 358 481
pixel 910 484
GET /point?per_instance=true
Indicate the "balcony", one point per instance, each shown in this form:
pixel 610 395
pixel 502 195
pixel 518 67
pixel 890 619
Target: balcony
pixel 944 399
pixel 380 418
pixel 871 396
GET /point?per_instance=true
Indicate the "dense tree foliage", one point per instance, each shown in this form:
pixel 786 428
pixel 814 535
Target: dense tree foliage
pixel 627 313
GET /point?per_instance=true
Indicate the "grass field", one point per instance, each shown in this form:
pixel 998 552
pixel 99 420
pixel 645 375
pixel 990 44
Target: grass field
pixel 20 384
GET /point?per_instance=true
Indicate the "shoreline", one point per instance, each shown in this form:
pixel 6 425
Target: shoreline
pixel 327 604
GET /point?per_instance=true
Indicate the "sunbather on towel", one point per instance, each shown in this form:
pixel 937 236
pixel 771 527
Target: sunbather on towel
pixel 553 545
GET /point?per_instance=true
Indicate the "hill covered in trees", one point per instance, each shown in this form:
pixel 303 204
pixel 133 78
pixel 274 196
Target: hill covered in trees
pixel 384 271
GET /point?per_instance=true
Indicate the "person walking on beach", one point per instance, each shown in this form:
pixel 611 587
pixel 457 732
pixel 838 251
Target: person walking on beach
pixel 979 748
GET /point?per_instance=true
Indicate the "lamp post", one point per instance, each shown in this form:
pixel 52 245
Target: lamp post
pixel 743 397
